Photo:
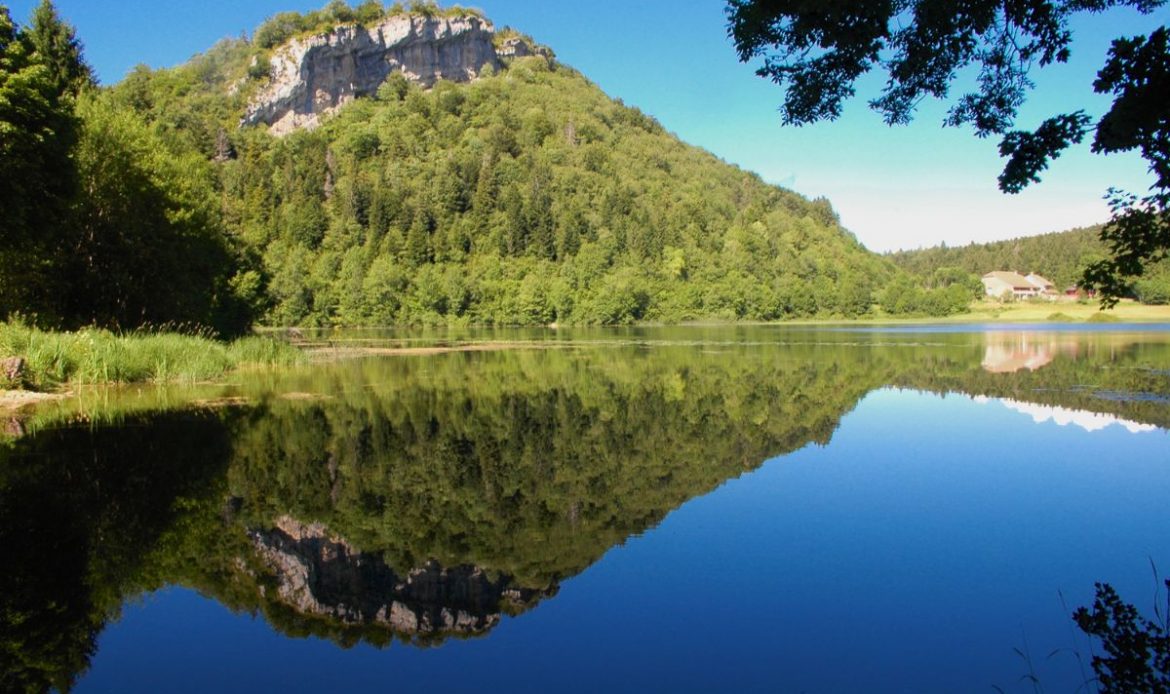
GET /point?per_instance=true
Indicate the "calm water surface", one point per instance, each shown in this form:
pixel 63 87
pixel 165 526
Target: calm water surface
pixel 675 509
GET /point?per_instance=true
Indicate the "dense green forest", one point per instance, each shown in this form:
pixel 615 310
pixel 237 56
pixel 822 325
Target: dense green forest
pixel 104 223
pixel 525 197
pixel 1059 256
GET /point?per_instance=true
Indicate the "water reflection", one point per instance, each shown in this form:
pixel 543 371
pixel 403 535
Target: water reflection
pixel 320 574
pixel 1011 352
pixel 422 498
pixel 1089 421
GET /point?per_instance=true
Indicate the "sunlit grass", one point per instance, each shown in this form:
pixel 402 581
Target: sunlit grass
pixel 1070 311
pixel 1127 311
pixel 93 356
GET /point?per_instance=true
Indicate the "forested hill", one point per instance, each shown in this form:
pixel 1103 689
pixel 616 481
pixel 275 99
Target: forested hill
pixel 529 197
pixel 523 195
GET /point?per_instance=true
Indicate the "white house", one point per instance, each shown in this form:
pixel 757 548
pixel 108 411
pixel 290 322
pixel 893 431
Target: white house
pixel 1000 283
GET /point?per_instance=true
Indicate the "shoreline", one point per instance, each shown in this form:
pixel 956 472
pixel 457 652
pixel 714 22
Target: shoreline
pixel 1055 312
pixel 323 351
pixel 13 401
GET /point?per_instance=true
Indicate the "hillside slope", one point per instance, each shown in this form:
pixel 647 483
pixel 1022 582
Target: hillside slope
pixel 526 196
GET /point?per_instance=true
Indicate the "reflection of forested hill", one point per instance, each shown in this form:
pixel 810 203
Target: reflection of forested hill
pixel 81 511
pixel 484 479
pixel 423 498
pixel 529 463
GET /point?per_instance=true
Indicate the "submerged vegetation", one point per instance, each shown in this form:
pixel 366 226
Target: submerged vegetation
pixel 94 356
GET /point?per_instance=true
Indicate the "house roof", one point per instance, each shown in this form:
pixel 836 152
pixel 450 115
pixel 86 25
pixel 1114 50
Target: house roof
pixel 1039 280
pixel 1015 279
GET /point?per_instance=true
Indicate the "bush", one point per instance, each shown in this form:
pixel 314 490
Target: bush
pixel 1102 317
pixel 1153 290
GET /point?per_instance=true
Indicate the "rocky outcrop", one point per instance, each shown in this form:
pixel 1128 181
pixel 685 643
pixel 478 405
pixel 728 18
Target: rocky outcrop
pixel 313 76
pixel 11 370
pixel 321 574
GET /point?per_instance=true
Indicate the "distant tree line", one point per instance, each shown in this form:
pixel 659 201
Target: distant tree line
pixel 1060 256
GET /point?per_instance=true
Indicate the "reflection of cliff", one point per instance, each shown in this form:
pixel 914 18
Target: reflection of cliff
pixel 321 574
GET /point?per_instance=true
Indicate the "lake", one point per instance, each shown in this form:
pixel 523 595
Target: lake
pixel 744 508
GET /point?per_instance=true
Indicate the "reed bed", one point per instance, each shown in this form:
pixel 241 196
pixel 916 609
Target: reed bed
pixel 97 356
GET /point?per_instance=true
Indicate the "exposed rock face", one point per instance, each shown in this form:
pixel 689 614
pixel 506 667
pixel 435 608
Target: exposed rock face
pixel 318 573
pixel 316 75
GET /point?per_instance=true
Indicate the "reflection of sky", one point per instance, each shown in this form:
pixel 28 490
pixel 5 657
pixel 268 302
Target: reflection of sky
pixel 1089 421
pixel 911 553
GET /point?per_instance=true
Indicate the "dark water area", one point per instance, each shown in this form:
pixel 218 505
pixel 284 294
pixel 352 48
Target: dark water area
pixel 651 509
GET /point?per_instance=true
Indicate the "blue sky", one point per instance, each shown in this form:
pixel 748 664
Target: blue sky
pixel 903 187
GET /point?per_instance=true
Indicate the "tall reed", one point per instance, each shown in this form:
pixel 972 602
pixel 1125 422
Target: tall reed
pixel 92 355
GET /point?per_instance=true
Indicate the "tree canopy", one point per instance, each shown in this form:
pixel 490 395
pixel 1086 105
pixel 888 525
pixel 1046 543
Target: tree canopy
pixel 103 223
pixel 817 51
pixel 37 133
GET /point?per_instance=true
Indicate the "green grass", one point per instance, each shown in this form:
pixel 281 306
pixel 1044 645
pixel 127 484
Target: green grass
pixel 94 356
pixel 1065 311
pixel 1102 318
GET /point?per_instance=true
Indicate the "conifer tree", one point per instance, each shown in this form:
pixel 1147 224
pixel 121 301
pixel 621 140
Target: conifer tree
pixel 37 134
pixel 56 47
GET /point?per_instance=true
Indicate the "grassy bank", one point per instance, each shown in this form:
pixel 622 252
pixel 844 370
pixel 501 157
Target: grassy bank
pixel 1065 311
pixel 1127 311
pixel 92 356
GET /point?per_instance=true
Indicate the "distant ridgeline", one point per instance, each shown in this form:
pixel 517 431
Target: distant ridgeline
pixel 446 495
pixel 1059 256
pixel 375 166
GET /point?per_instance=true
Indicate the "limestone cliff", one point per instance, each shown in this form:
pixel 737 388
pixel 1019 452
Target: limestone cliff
pixel 312 76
